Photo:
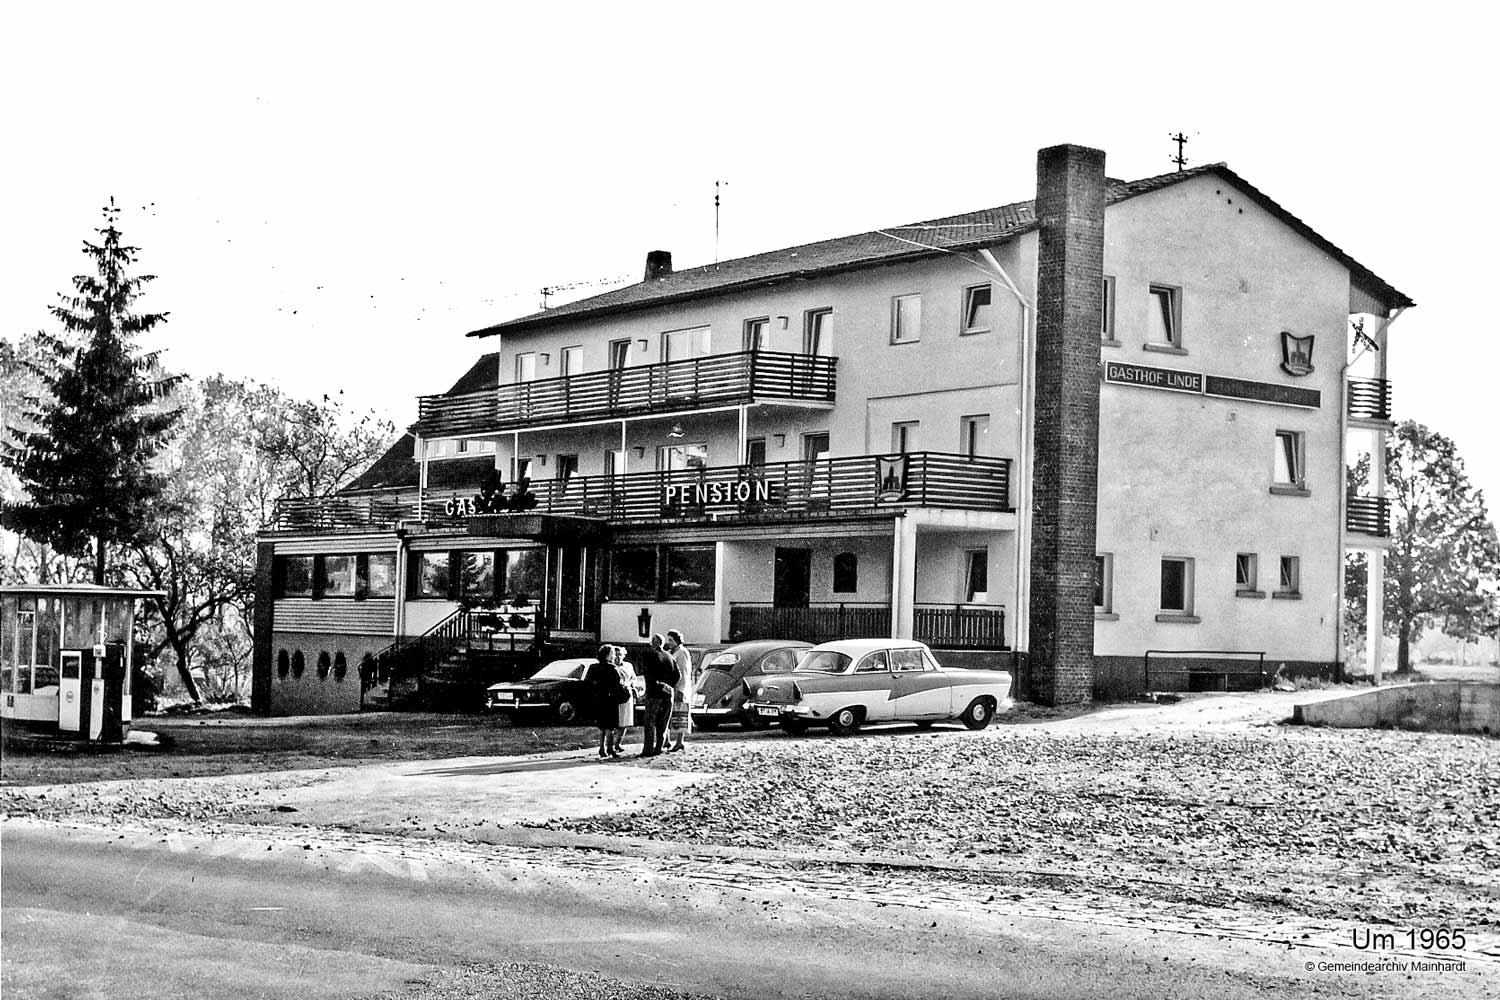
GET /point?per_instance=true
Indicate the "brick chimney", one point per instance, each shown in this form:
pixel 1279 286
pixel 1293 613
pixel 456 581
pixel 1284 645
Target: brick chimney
pixel 658 264
pixel 1065 460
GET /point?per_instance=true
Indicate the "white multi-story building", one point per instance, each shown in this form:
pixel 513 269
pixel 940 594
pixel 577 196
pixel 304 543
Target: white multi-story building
pixel 1054 436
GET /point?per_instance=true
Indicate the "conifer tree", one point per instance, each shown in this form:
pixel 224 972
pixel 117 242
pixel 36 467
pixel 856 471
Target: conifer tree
pixel 82 446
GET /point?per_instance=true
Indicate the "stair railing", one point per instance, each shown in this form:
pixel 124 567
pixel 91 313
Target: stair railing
pixel 411 655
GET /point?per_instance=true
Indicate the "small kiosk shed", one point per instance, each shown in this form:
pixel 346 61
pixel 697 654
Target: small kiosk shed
pixel 65 656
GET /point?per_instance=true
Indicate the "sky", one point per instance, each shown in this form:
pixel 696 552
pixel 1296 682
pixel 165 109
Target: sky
pixel 332 194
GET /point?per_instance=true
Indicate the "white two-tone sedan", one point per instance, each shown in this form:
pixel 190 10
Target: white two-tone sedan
pixel 846 684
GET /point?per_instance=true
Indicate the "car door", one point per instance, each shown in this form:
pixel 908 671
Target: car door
pixel 871 684
pixel 921 691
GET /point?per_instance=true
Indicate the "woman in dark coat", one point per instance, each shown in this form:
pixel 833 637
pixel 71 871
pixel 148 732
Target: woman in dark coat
pixel 603 682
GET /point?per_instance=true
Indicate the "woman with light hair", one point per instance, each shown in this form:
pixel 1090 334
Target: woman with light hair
pixel 625 717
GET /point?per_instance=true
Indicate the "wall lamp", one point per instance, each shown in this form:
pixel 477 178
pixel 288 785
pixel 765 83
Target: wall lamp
pixel 676 431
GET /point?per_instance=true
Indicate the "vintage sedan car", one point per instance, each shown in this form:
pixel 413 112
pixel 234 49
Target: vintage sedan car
pixel 845 684
pixel 720 694
pixel 557 690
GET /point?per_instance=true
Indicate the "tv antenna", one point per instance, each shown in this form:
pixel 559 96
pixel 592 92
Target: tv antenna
pixel 549 290
pixel 1179 159
pixel 717 186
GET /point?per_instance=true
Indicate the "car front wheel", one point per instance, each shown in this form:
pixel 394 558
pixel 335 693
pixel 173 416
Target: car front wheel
pixel 978 714
pixel 845 722
pixel 567 711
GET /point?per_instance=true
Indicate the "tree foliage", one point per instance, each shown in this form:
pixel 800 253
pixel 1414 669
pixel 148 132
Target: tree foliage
pixel 1442 570
pixel 86 430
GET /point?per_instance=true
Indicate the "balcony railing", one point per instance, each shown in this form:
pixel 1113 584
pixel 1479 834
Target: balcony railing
pixel 943 626
pixel 717 380
pixel 826 487
pixel 1368 515
pixel 1369 399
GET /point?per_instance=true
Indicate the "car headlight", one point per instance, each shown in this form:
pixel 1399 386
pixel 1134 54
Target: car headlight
pixel 760 692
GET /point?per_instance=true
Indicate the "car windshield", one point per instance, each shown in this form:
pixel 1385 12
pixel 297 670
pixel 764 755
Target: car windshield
pixel 562 668
pixel 822 661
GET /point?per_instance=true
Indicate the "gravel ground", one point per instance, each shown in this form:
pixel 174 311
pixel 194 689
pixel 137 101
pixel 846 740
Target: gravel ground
pixel 526 981
pixel 1399 828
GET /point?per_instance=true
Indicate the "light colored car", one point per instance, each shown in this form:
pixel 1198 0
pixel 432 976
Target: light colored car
pixel 846 684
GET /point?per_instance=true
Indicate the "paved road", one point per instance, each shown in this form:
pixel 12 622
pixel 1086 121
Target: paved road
pixel 130 911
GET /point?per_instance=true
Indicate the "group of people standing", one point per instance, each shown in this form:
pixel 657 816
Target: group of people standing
pixel 668 672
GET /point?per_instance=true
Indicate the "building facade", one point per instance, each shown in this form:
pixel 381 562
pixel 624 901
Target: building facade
pixel 1056 435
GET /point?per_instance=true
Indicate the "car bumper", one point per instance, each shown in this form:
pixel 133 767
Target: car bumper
pixel 766 710
pixel 517 706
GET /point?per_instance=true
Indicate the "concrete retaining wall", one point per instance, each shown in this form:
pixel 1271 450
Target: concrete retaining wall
pixel 1448 707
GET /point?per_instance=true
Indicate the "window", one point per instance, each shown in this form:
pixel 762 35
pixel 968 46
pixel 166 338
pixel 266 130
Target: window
pixel 523 576
pixel 567 467
pixel 1290 471
pixel 907 659
pixel 682 345
pixel 297 576
pixel 432 574
pixel 1291 577
pixel 755 451
pixel 874 662
pixel 904 436
pixel 906 319
pixel 758 334
pixel 1177 586
pixel 526 367
pixel 521 467
pixel 614 462
pixel 689 572
pixel 976 309
pixel 632 574
pixel 977 575
pixel 817 332
pixel 477 576
pixel 380 574
pixel 1104 583
pixel 814 447
pixel 676 457
pixel 973 434
pixel 1246 570
pixel 1165 322
pixel 338 576
pixel 619 354
pixel 1107 311
pixel 474 446
pixel 845 573
pixel 570 361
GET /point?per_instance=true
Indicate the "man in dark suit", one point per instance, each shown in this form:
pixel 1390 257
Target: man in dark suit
pixel 661 679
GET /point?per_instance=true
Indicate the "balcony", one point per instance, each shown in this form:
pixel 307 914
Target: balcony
pixel 1368 516
pixel 944 626
pixel 860 484
pixel 1369 399
pixel 717 380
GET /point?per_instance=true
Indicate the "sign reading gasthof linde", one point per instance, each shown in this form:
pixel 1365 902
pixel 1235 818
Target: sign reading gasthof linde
pixel 1153 378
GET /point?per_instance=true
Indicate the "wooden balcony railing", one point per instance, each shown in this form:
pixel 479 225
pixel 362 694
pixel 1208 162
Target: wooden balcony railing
pixel 826 487
pixel 942 626
pixel 716 380
pixel 1369 399
pixel 1368 515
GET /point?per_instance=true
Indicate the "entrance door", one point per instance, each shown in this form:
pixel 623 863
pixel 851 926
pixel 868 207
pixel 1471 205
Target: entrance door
pixel 792 585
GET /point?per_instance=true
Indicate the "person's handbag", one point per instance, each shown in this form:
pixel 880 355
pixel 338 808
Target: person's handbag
pixel 622 693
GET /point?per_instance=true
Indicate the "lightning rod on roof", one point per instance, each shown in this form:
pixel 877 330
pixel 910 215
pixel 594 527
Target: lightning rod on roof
pixel 1179 159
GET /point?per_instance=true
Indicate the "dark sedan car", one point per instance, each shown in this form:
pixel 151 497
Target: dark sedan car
pixel 720 695
pixel 557 690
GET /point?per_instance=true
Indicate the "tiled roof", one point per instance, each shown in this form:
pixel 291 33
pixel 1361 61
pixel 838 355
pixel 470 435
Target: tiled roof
pixel 397 468
pixel 912 241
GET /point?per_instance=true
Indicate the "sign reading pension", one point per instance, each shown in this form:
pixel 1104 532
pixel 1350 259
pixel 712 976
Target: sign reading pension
pixel 724 491
pixel 1153 378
